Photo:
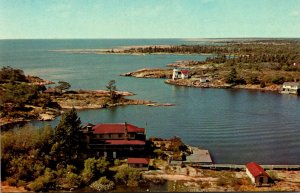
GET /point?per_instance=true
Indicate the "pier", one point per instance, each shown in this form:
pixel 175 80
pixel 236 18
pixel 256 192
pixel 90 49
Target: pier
pixel 198 157
pixel 243 167
pixel 201 158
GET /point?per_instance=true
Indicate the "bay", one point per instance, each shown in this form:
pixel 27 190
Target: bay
pixel 236 126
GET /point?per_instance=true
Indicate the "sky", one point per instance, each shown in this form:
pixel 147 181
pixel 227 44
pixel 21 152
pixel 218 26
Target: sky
pixel 70 19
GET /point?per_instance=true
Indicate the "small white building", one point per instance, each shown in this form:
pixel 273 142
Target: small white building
pixel 291 88
pixel 257 175
pixel 180 73
pixel 204 79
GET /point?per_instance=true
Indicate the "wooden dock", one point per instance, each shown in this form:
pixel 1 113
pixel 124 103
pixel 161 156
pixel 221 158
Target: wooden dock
pixel 199 156
pixel 243 167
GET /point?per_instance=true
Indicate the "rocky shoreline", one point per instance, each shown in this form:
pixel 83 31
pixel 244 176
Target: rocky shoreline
pixel 150 73
pixel 80 100
pixel 219 84
pixel 194 81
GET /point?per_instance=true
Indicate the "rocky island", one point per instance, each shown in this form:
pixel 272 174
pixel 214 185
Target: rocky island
pixel 25 98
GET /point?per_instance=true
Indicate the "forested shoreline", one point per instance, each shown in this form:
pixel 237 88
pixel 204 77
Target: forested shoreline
pixel 260 64
pixel 25 98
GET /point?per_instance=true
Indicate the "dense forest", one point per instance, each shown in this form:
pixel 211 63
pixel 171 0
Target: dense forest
pixel 280 51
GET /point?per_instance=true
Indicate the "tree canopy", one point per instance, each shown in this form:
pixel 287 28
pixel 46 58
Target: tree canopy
pixel 63 85
pixel 67 136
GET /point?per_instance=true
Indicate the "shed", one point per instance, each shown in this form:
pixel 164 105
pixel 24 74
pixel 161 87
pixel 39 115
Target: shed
pixel 203 79
pixel 138 163
pixel 257 174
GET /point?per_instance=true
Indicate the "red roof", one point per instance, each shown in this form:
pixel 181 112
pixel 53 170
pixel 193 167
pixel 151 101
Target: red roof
pixel 256 170
pixel 116 128
pixel 138 161
pixel 185 72
pixel 124 142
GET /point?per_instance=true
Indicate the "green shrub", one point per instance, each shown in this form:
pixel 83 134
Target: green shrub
pixel 37 185
pixel 43 182
pixel 253 80
pixel 103 184
pixel 72 180
pixel 94 167
pixel 117 162
pixel 128 176
pixel 278 80
pixel 262 84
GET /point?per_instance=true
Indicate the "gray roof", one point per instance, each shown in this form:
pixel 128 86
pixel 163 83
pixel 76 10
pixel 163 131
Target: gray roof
pixel 291 84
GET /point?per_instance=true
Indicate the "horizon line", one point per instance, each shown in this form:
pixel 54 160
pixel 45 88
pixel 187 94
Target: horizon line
pixel 147 38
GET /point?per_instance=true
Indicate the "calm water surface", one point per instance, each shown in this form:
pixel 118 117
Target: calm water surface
pixel 237 126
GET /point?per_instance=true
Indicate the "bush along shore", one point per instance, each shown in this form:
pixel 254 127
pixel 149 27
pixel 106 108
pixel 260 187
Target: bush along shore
pixel 25 98
pixel 262 65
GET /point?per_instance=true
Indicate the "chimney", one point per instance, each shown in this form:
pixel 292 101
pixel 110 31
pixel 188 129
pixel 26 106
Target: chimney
pixel 126 131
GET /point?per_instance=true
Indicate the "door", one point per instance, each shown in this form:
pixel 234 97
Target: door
pixel 261 180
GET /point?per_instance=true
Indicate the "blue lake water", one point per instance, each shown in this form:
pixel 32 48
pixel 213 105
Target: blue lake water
pixel 237 126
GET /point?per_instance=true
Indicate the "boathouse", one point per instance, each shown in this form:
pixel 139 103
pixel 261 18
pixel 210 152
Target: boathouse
pixel 257 174
pixel 180 73
pixel 291 88
pixel 138 163
pixel 113 140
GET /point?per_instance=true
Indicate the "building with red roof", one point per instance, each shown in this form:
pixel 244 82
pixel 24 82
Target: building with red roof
pixel 138 163
pixel 257 174
pixel 114 139
pixel 180 73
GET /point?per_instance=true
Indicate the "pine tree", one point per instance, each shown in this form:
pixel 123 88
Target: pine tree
pixel 112 88
pixel 232 76
pixel 67 136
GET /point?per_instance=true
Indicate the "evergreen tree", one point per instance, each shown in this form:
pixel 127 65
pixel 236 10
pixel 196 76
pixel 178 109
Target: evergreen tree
pixel 63 86
pixel 232 76
pixel 112 88
pixel 67 136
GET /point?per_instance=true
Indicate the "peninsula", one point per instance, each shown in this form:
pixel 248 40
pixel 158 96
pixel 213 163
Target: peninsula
pixel 250 64
pixel 25 98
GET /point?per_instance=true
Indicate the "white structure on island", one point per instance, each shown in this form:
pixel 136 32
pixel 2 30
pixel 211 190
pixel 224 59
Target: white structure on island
pixel 180 73
pixel 204 79
pixel 291 88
